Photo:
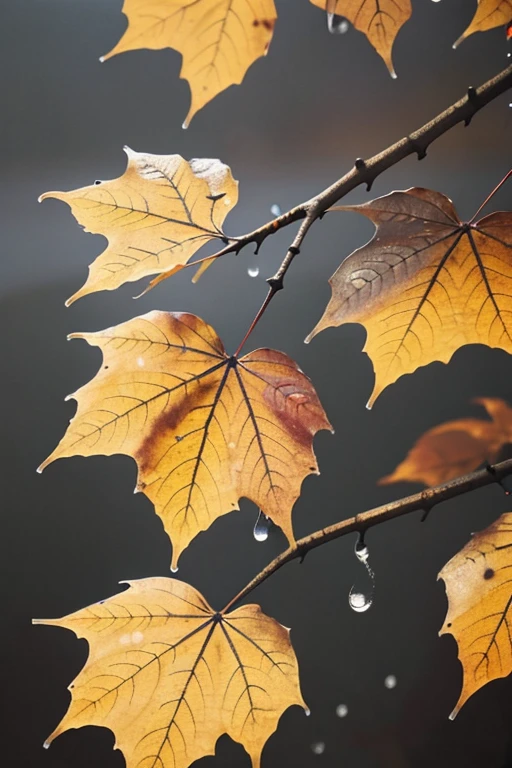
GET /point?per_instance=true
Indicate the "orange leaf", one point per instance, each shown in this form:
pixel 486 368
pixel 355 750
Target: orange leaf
pixel 479 614
pixel 169 676
pixel 379 21
pixel 489 14
pixel 425 285
pixel 155 216
pixel 456 447
pixel 204 428
pixel 218 39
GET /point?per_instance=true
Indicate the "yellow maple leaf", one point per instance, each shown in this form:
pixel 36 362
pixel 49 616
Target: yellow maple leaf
pixel 155 216
pixel 456 447
pixel 379 20
pixel 168 675
pixel 479 614
pixel 489 14
pixel 425 285
pixel 218 39
pixel 204 428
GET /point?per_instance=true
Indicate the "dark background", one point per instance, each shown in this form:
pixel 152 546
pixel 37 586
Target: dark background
pixel 69 536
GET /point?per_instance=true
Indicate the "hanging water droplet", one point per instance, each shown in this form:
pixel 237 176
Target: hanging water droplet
pixel 361 551
pixel 390 682
pixel 174 569
pixel 436 1
pixel 318 747
pixel 337 25
pixel 253 271
pixel 307 712
pixel 360 600
pixel 342 710
pixel 262 527
pixel 275 210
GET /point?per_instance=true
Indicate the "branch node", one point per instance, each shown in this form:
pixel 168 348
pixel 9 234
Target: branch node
pixel 501 482
pixel 276 283
pixel 472 96
pixel 360 164
pixel 294 250
pixel 369 184
pixel 420 150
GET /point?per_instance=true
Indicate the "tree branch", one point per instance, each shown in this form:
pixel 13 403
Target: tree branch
pixel 424 500
pixel 366 171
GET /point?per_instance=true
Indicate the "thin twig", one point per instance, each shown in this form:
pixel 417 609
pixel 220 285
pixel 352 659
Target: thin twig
pixel 363 172
pixel 360 523
pixel 366 171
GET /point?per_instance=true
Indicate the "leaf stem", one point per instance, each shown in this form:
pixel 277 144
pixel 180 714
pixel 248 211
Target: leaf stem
pixel 489 197
pixel 425 499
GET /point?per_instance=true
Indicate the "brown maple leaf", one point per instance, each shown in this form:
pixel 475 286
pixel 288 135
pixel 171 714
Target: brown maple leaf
pixel 479 614
pixel 204 428
pixel 425 285
pixel 218 39
pixel 456 447
pixel 155 216
pixel 489 14
pixel 168 675
pixel 379 20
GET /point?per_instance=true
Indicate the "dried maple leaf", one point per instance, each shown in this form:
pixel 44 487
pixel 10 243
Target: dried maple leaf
pixel 425 285
pixel 489 14
pixel 204 428
pixel 169 676
pixel 218 39
pixel 379 20
pixel 479 606
pixel 456 447
pixel 155 216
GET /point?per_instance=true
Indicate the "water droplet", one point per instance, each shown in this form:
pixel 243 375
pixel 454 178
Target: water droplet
pixel 318 747
pixel 262 527
pixel 360 600
pixel 253 271
pixel 174 569
pixel 436 1
pixel 307 712
pixel 337 25
pixel 342 710
pixel 275 210
pixel 390 682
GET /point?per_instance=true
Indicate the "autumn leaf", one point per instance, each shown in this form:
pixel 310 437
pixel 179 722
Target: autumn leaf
pixel 379 20
pixel 479 614
pixel 218 39
pixel 168 675
pixel 204 428
pixel 155 216
pixel 456 447
pixel 489 14
pixel 425 285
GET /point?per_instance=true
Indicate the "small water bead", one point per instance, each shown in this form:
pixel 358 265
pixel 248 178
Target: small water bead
pixel 318 747
pixel 359 602
pixel 361 551
pixel 390 682
pixel 253 271
pixel 275 210
pixel 342 710
pixel 262 527
pixel 337 25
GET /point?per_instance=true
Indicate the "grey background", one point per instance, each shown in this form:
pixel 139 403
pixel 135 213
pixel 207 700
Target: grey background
pixel 69 536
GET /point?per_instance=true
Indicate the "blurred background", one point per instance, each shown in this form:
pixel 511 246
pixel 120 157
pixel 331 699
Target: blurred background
pixel 69 536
